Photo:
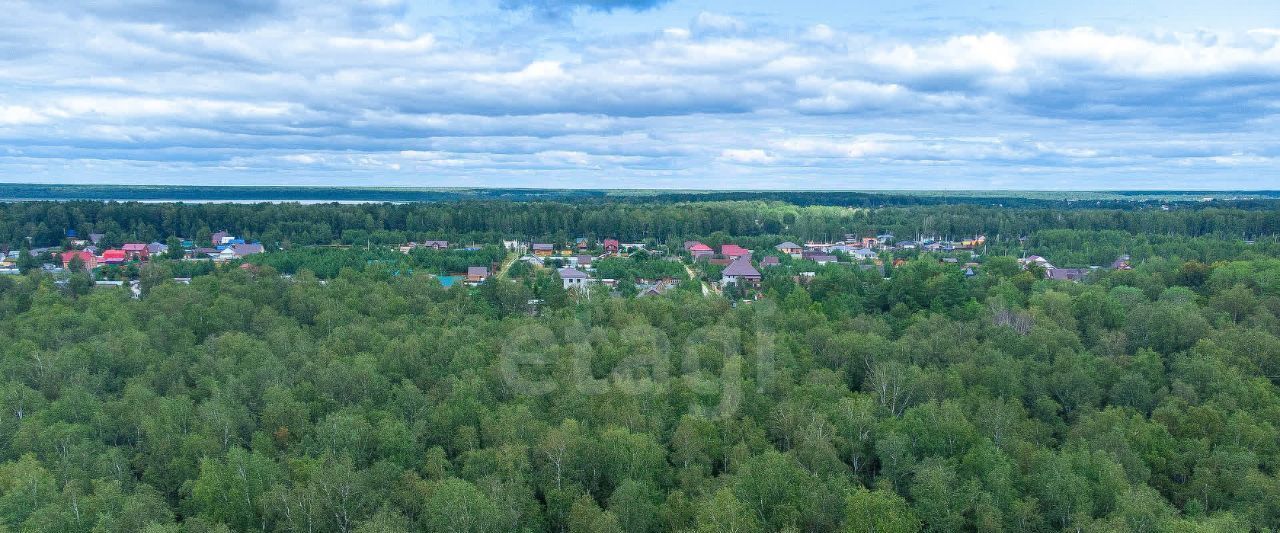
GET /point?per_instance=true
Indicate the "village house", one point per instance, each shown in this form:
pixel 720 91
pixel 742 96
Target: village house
pixel 113 257
pixel 90 262
pixel 1066 274
pixel 740 272
pixel 582 261
pixel 822 259
pixel 434 245
pixel 823 247
pixel 769 261
pixel 238 251
pixel 135 251
pixel 698 250
pixel 157 248
pixel 863 254
pixel 734 252
pixel 202 253
pixel 543 249
pixel 1121 263
pixel 242 250
pixel 477 274
pixel 1037 261
pixel 220 238
pixel 572 277
pixel 790 248
pixel 974 242
pixel 656 288
pixel 611 246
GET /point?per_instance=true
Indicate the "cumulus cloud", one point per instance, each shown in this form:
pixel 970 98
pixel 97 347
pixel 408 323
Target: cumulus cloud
pixel 298 91
pixel 750 156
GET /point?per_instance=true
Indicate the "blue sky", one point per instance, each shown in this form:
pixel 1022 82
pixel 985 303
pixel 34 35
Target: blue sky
pixel 742 94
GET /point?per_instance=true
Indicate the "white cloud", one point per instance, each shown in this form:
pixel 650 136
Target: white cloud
pixel 13 115
pixel 707 22
pixel 1128 55
pixel 754 156
pixel 311 89
pixel 1241 159
pixel 418 44
pixel 990 52
pixel 302 159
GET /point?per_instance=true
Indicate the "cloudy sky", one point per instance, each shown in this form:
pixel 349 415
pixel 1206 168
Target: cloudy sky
pixel 728 94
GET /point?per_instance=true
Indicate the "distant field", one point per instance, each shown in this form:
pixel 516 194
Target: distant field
pixel 168 193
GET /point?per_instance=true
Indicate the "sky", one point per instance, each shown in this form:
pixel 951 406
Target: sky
pixel 606 94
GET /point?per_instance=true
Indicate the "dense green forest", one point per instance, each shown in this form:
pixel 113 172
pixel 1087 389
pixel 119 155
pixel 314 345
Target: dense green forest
pixel 359 395
pixel 286 224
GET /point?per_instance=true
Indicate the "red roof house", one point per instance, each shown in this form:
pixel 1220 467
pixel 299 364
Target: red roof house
pixel 699 250
pixel 135 250
pixel 611 246
pixel 90 262
pixel 113 257
pixel 733 251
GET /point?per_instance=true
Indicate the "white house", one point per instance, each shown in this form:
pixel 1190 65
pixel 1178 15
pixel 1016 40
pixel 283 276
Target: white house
pixel 572 277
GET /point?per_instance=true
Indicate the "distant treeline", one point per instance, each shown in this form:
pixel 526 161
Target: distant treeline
pixel 286 224
pixel 1055 199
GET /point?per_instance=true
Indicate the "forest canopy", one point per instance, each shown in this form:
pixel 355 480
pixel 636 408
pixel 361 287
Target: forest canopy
pixel 358 394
